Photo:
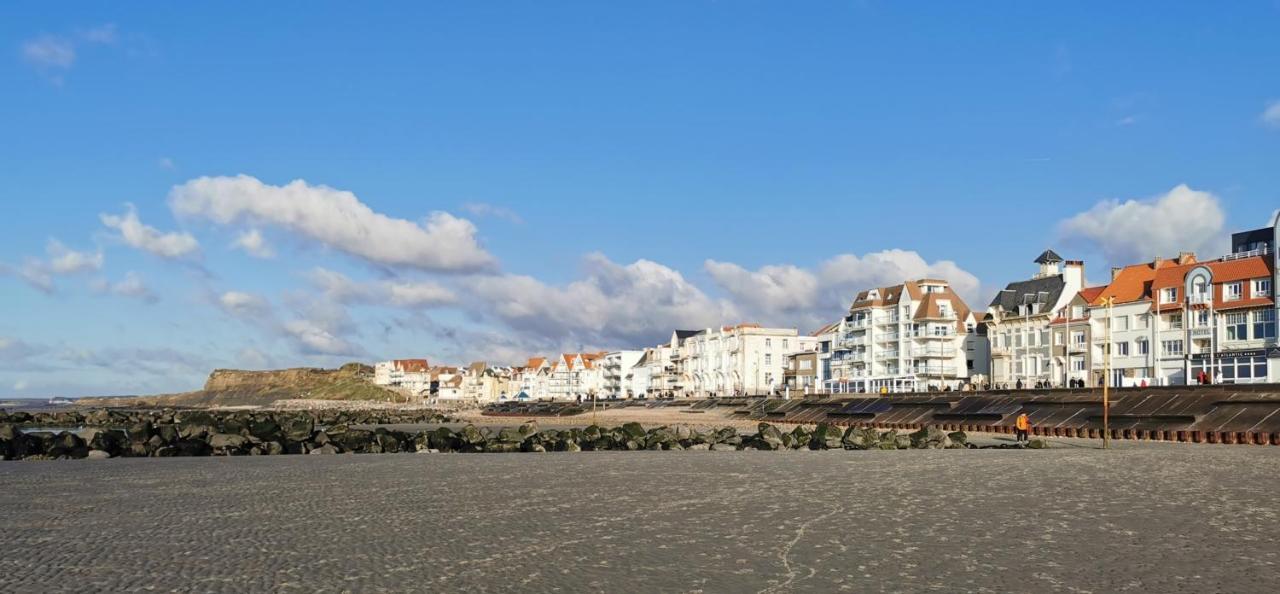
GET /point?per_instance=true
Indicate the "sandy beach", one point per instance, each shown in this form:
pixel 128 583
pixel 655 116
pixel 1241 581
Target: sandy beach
pixel 1148 517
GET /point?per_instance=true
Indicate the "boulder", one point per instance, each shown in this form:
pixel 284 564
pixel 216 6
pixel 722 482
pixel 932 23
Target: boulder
pixel 634 431
pixel 192 447
pixel 470 435
pixel 510 435
pixel 928 437
pixel 140 432
pixel 227 442
pixel 112 441
pixel 264 428
pixel 98 455
pixel 67 444
pixel 324 449
pixel 1037 444
pixel 827 437
pixel 958 438
pixel 298 427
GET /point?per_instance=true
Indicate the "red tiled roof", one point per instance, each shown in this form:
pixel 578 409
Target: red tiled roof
pixel 411 365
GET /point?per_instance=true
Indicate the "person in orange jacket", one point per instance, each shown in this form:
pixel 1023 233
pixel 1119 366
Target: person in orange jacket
pixel 1022 426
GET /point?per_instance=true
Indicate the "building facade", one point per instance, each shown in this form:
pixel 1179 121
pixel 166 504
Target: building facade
pixel 1019 318
pixel 743 359
pixel 616 368
pixel 903 338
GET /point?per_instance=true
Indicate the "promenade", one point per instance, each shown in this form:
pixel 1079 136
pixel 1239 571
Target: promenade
pixel 1142 517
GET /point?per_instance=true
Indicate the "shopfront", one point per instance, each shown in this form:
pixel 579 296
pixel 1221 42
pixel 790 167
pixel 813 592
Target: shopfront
pixel 1236 367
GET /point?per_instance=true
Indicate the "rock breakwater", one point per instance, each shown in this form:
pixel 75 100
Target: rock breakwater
pixel 206 434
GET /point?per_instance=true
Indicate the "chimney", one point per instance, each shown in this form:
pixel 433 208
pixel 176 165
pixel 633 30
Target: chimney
pixel 1115 271
pixel 1073 273
pixel 1155 264
pixel 1186 258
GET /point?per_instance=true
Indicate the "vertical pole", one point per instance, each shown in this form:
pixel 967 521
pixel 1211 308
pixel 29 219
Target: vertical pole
pixel 1106 381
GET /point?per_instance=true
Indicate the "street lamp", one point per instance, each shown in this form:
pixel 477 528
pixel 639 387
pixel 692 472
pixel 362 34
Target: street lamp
pixel 1106 378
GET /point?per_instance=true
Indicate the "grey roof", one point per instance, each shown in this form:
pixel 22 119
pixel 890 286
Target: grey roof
pixel 1048 257
pixel 1044 290
pixel 683 334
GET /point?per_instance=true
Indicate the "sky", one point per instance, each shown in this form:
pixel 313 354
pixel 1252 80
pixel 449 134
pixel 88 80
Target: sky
pixel 190 186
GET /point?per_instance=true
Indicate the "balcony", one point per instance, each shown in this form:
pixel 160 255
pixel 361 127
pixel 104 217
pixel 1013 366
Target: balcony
pixel 933 352
pixel 936 335
pixel 1000 351
pixel 887 355
pixel 888 337
pixel 888 321
pixel 859 324
pixel 934 370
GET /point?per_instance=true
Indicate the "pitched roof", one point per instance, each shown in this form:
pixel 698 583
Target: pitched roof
pixel 1131 283
pixel 1224 271
pixel 1091 293
pixel 826 329
pixel 411 365
pixel 1046 290
pixel 1048 257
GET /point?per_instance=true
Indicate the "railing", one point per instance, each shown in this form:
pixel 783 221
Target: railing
pixel 890 320
pixel 883 355
pixel 863 323
pixel 1249 254
pixel 927 352
pixel 934 370
pixel 888 337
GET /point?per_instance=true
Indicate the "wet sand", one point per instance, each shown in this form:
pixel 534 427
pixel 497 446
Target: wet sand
pixel 1143 517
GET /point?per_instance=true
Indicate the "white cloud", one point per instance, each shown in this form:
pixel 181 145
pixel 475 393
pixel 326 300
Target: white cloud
pixel 483 209
pixel 149 239
pixel 313 338
pixel 614 305
pixel 1271 115
pixel 338 219
pixel 1133 231
pixel 49 52
pixel 63 260
pixel 254 244
pixel 244 305
pixel 795 297
pixel 132 286
pixel 339 288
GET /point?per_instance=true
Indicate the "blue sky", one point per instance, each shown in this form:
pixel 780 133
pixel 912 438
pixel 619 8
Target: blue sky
pixel 605 171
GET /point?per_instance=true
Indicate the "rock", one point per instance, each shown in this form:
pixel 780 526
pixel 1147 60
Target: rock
pixel 192 447
pixel 634 431
pixel 767 437
pixel 721 447
pixel 1037 444
pixel 572 447
pixel 140 432
pixel 958 438
pixel 98 455
pixel 298 427
pixel 928 437
pixel 860 438
pixel 9 432
pixel 529 429
pixel 537 447
pixel 226 442
pixel 510 435
pixel 699 447
pixel 827 437
pixel 324 450
pixel 112 441
pixel 265 428
pixel 67 444
pixel 470 435
pixel 272 448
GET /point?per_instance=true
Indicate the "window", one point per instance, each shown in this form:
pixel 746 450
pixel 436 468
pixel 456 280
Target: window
pixel 1057 339
pixel 1232 291
pixel 806 365
pixel 1122 323
pixel 1141 347
pixel 1143 322
pixel 1202 319
pixel 1044 338
pixel 1169 295
pixel 1172 347
pixel 1262 287
pixel 1175 321
pixel 1237 326
pixel 1264 324
pixel 1077 363
pixel 1017 340
pixel 1121 349
pixel 1077 338
pixel 784 344
pixel 768 359
pixel 768 343
pixel 1077 311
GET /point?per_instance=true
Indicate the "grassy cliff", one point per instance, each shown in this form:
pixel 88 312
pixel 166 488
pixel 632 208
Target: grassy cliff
pixel 231 387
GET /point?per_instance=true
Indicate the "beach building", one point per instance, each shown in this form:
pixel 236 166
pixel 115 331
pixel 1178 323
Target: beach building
pixel 741 359
pixel 903 338
pixel 616 367
pixel 408 376
pixel 1019 317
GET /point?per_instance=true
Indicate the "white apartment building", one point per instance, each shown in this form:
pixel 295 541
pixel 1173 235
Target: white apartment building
pixel 742 359
pixel 575 376
pixel 532 379
pixel 1019 318
pixel 616 367
pixel 408 376
pixel 903 338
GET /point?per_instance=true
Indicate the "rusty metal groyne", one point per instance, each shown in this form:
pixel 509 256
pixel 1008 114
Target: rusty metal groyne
pixel 1230 414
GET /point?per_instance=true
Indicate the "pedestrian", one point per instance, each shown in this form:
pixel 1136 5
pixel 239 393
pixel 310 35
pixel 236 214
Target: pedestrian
pixel 1202 377
pixel 1022 426
pixel 1018 384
